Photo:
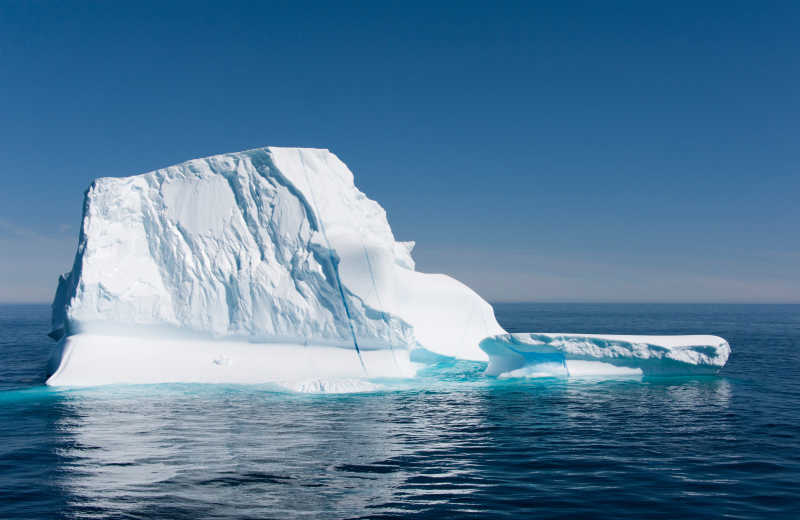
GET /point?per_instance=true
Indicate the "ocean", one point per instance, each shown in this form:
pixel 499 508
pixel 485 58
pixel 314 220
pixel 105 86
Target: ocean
pixel 451 443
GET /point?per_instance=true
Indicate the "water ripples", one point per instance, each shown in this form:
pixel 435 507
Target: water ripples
pixel 451 444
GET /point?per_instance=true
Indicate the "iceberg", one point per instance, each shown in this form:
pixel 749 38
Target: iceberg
pixel 267 265
pixel 270 266
pixel 579 355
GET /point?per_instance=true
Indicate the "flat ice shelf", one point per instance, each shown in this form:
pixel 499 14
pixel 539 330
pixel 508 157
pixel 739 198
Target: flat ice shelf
pixel 533 354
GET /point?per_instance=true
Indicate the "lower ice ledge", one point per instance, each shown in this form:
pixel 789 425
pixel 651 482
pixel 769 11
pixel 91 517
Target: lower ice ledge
pixel 95 359
pixel 90 360
pixel 598 355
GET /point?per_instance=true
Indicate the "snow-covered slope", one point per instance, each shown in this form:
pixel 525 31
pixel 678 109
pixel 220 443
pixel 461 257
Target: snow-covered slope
pixel 561 355
pixel 263 247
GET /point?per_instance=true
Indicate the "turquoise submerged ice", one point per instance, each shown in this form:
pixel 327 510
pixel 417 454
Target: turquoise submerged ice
pixel 576 355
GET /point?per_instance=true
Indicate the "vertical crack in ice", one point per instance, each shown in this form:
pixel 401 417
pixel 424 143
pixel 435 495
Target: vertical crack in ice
pixel 334 262
pixel 378 296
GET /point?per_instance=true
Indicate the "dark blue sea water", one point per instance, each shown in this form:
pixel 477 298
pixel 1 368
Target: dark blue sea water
pixel 452 444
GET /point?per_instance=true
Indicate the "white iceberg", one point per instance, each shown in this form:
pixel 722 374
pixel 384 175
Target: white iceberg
pixel 260 266
pixel 270 266
pixel 578 355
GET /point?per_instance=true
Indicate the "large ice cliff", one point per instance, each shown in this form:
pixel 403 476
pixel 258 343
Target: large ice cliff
pixel 256 266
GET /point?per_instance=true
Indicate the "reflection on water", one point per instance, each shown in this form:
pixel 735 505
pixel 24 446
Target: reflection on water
pixel 231 452
pixel 449 444
pixel 225 449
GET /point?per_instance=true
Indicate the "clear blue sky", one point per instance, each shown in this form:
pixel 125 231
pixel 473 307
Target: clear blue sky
pixel 565 151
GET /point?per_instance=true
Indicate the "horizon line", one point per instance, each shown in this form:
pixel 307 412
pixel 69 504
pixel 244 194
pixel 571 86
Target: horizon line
pixel 599 302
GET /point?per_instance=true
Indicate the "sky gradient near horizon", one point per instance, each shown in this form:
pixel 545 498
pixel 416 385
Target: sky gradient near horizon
pixel 564 151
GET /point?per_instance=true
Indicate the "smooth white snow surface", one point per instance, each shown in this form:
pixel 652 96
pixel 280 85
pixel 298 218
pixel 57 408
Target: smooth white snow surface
pixel 91 359
pixel 579 355
pixel 265 261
